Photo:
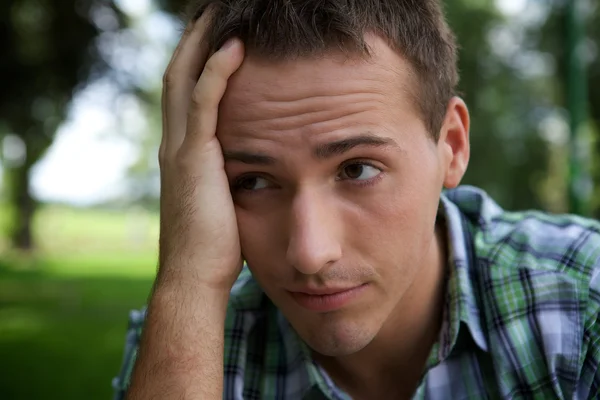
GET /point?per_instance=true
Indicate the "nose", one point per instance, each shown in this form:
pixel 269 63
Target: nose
pixel 314 237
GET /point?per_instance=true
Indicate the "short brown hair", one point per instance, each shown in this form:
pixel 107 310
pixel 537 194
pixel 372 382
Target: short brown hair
pixel 288 29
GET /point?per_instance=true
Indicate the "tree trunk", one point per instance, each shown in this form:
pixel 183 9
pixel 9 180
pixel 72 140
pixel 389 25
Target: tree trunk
pixel 19 185
pixel 24 206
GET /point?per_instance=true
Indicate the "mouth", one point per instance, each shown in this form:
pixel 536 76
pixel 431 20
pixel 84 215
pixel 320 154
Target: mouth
pixel 327 299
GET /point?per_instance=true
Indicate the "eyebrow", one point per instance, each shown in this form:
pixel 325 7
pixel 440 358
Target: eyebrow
pixel 248 158
pixel 322 151
pixel 339 147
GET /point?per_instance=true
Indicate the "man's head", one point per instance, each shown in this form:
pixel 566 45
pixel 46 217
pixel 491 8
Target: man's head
pixel 339 131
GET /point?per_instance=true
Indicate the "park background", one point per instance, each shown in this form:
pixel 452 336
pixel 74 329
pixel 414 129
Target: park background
pixel 80 89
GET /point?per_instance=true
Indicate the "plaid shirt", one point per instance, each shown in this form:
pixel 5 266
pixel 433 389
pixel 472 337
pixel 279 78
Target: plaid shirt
pixel 520 317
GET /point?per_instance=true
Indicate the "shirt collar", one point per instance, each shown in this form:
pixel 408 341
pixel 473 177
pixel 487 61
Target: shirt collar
pixel 462 301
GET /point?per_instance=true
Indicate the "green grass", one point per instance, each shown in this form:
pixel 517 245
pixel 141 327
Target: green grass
pixel 63 316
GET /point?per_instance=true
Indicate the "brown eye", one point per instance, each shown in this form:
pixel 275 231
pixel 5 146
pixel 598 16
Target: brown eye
pixel 251 183
pixel 354 171
pixel 358 171
pixel 248 184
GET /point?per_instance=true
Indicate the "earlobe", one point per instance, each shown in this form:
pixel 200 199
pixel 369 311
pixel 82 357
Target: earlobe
pixel 454 140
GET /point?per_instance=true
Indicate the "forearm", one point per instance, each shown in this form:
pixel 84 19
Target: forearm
pixel 181 352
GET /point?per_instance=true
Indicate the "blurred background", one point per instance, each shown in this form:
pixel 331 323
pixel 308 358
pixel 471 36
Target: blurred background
pixel 80 89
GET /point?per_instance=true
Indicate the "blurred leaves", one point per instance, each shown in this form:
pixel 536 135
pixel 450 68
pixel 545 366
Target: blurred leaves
pixel 507 152
pixel 513 78
pixel 50 50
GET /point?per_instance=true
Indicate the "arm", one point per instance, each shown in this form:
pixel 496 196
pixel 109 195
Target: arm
pixel 181 350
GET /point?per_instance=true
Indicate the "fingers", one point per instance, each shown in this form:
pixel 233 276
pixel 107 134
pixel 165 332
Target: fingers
pixel 203 113
pixel 179 81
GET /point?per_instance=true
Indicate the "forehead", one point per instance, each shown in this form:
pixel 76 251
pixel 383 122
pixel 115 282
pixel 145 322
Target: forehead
pixel 314 99
pixel 385 72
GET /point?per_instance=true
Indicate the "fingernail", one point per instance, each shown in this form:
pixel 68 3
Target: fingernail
pixel 230 43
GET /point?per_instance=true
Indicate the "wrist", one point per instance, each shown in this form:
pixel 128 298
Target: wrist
pixel 190 295
pixel 216 277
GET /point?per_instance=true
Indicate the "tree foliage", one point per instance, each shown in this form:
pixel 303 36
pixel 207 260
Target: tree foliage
pixel 507 153
pixel 49 51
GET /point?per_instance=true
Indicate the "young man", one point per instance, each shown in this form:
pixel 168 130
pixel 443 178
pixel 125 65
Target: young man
pixel 316 149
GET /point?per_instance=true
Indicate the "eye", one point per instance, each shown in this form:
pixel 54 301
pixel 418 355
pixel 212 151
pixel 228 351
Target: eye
pixel 250 183
pixel 359 171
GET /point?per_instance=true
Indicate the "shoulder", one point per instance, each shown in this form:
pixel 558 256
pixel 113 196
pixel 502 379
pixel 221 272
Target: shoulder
pixel 530 256
pixel 528 242
pixel 538 279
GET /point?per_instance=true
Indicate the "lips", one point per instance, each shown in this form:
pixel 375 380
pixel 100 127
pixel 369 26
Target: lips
pixel 323 291
pixel 326 299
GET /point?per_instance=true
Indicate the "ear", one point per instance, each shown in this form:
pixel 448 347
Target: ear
pixel 453 143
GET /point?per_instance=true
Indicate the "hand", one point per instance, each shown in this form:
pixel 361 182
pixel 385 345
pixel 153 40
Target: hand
pixel 199 240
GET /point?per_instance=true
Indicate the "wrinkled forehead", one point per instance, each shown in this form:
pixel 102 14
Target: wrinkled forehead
pixel 260 81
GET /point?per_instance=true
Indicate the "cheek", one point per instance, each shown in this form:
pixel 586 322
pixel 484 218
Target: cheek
pixel 397 226
pixel 261 243
pixel 391 230
pixel 422 184
pixel 251 231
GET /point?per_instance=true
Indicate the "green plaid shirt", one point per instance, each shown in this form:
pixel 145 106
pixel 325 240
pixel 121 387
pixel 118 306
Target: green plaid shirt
pixel 520 317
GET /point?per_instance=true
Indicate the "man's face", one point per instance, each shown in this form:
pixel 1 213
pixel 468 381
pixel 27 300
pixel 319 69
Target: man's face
pixel 336 184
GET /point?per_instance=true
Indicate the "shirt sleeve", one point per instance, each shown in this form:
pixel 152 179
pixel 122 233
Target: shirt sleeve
pixel 589 378
pixel 134 330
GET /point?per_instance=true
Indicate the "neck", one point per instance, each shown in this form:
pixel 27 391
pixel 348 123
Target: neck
pixel 396 358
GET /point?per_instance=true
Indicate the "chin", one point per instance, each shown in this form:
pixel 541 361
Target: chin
pixel 337 339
